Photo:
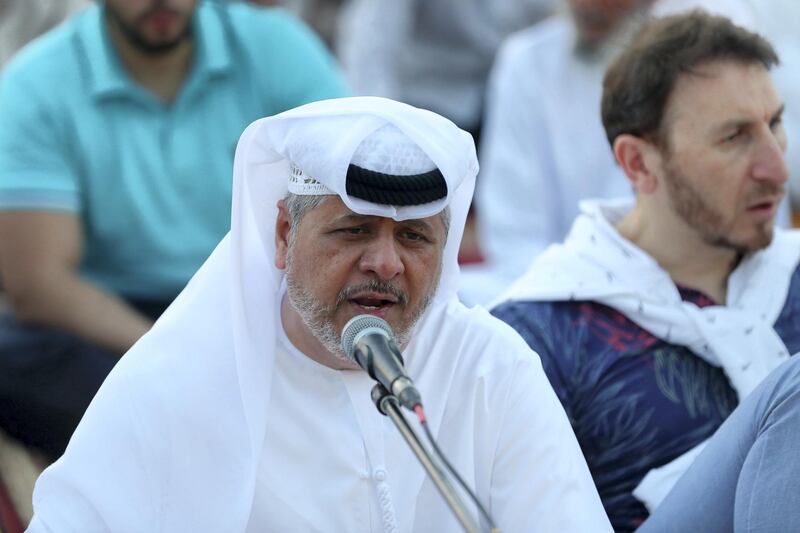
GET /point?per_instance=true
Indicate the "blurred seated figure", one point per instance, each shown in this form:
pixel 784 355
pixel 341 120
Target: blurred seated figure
pixel 434 54
pixel 659 314
pixel 543 147
pixel 23 20
pixel 118 135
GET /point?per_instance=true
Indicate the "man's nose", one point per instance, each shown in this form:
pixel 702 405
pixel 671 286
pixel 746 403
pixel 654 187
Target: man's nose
pixel 382 258
pixel 770 163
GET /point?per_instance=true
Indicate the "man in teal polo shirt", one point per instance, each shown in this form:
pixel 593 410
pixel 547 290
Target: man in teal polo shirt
pixel 116 150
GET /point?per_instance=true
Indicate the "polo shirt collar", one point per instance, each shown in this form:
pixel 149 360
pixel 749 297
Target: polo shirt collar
pixel 108 75
pixel 213 49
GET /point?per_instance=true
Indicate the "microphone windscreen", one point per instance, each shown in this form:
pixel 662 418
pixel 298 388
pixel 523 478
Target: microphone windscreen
pixel 356 325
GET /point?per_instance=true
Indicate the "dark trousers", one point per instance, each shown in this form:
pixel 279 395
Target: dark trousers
pixel 47 379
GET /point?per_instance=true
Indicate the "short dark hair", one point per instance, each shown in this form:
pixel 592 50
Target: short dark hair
pixel 638 83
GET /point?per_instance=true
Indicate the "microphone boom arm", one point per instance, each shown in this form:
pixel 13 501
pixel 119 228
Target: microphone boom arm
pixel 388 405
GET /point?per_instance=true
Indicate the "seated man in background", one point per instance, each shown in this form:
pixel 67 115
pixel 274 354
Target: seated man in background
pixel 115 152
pixel 657 316
pixel 433 54
pixel 543 148
pixel 240 411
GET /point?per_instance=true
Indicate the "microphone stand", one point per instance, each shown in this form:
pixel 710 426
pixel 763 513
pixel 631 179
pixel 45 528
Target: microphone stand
pixel 388 405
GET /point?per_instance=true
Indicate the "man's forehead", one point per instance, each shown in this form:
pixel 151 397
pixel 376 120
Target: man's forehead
pixel 722 91
pixel 333 209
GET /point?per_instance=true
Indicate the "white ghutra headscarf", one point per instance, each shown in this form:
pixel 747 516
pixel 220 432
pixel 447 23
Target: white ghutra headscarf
pixel 173 439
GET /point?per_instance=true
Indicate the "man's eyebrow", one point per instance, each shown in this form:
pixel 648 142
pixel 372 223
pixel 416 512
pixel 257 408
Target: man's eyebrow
pixel 418 224
pixel 739 123
pixel 355 218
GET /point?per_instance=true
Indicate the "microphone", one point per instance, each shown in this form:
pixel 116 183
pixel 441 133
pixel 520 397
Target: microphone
pixel 368 340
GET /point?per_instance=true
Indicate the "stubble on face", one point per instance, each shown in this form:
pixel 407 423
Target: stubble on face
pixel 319 317
pixel 713 227
pixel 717 147
pixel 131 30
pixel 597 20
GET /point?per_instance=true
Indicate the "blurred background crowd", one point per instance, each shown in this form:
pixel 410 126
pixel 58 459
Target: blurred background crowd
pixel 524 77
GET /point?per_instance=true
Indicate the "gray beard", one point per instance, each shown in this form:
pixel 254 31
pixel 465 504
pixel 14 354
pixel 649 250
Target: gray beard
pixel 318 317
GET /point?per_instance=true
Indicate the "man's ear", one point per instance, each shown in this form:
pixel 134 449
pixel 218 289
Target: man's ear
pixel 640 160
pixel 283 226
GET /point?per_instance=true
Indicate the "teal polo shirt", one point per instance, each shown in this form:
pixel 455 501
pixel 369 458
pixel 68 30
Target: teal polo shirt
pixel 151 182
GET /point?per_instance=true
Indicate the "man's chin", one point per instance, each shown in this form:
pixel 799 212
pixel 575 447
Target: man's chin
pixel 155 48
pixel 759 241
pixel 764 235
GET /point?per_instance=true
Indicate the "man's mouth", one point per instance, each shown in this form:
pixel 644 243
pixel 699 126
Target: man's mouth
pixel 763 205
pixel 374 303
pixel 372 294
pixel 763 210
pixel 161 19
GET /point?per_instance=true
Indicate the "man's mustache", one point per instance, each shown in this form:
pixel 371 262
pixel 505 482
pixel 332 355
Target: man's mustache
pixel 371 286
pixel 157 7
pixel 766 190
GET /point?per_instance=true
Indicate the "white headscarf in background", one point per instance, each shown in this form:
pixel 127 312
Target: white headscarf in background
pixel 595 263
pixel 174 441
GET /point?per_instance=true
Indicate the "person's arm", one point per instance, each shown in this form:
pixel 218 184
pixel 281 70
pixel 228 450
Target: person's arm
pixel 517 193
pixel 41 233
pixel 39 256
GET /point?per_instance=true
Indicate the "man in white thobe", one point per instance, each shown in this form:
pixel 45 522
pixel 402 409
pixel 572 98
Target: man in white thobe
pixel 240 412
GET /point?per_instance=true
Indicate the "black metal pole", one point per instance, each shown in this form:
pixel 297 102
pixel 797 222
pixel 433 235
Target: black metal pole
pixel 390 406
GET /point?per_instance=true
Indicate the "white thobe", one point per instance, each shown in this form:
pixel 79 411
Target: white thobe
pixel 543 151
pixel 434 54
pixel 331 462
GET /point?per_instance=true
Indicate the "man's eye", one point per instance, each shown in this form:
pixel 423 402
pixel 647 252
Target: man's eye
pixel 733 136
pixel 775 122
pixel 351 231
pixel 414 236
